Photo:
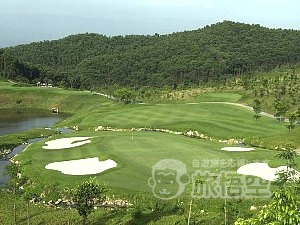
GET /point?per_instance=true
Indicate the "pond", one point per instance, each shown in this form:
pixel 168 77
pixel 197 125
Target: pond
pixel 12 121
pixel 17 121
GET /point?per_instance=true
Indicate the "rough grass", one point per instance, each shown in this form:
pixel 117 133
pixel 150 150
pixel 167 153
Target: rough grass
pixel 12 140
pixel 67 101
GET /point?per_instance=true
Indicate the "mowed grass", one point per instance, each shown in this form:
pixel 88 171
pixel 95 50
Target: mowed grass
pixel 217 120
pixel 219 97
pixel 135 154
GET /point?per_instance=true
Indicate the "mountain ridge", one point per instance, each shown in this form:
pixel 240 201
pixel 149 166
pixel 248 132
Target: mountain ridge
pixel 212 53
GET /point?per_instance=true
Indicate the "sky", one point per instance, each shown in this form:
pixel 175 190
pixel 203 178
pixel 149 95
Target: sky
pixel 26 21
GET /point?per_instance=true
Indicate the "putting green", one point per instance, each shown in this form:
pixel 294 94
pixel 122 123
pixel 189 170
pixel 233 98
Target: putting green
pixel 135 154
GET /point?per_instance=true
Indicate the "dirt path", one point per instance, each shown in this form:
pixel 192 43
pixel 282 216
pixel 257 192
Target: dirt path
pixel 12 82
pixel 250 109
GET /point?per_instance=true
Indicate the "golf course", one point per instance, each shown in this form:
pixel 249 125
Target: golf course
pixel 135 150
pixel 134 137
pixel 214 137
pixel 194 122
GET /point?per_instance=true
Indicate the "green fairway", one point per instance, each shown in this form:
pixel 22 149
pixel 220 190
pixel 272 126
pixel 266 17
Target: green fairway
pixel 88 110
pixel 217 120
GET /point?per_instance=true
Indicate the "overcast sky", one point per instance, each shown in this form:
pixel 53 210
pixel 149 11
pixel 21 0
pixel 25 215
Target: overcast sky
pixel 25 21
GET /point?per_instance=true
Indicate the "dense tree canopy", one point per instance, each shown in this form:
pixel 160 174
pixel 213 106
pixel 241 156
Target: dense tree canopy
pixel 214 52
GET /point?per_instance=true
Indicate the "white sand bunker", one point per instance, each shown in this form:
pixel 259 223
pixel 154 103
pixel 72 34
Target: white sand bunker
pixel 262 170
pixel 66 142
pixel 237 149
pixel 82 166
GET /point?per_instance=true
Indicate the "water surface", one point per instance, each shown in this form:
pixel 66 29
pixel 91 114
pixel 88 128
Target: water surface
pixel 12 121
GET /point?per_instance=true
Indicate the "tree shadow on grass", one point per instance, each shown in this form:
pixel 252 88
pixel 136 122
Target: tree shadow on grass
pixel 44 218
pixel 155 216
pixel 141 218
pixel 105 219
pixel 33 216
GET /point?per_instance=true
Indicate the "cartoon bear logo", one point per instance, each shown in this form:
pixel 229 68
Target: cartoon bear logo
pixel 168 179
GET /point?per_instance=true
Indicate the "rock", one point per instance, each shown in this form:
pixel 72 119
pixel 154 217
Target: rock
pixel 58 201
pixel 190 133
pixel 50 202
pixel 99 128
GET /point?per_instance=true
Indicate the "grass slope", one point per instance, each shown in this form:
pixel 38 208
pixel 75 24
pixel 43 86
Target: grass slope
pixel 69 101
pixel 76 104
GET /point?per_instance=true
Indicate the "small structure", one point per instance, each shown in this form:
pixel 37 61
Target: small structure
pixel 40 84
pixel 54 110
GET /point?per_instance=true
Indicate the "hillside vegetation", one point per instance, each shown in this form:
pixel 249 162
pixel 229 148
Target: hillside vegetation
pixel 213 53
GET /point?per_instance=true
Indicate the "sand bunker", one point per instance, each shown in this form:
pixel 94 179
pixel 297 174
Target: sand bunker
pixel 82 166
pixel 262 170
pixel 237 149
pixel 66 142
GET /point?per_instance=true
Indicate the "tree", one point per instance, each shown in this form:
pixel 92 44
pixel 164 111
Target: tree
pixel 86 195
pixel 257 109
pixel 124 94
pixel 292 117
pixel 284 206
pixel 288 175
pixel 283 210
pixel 281 108
pixel 206 56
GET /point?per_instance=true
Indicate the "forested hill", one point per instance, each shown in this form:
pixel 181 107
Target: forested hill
pixel 214 52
